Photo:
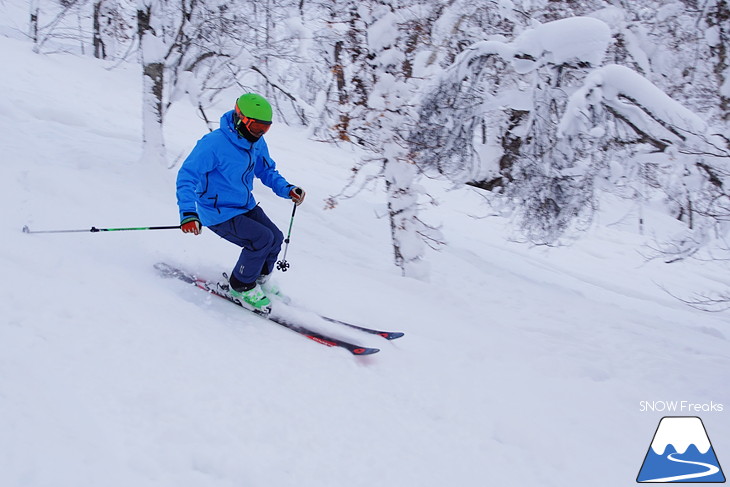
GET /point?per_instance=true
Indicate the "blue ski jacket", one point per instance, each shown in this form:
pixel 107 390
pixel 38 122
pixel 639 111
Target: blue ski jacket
pixel 216 179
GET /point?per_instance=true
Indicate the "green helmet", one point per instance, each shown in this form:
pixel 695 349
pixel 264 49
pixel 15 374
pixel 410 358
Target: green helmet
pixel 254 106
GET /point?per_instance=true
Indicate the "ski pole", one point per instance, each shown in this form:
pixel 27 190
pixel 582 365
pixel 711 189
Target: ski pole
pixel 94 229
pixel 283 265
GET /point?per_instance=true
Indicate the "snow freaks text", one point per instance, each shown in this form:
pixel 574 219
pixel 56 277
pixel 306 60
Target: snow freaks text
pixel 680 407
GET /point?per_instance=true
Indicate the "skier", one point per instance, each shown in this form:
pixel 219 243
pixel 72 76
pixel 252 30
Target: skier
pixel 214 188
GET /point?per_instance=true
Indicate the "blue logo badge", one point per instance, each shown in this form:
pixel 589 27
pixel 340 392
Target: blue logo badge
pixel 681 452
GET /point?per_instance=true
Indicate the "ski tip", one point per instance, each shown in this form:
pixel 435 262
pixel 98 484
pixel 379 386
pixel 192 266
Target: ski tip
pixel 391 335
pixel 364 351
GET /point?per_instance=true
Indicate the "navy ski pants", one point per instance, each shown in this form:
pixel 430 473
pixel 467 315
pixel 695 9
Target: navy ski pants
pixel 260 240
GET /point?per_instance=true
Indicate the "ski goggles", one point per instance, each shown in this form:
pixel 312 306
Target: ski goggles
pixel 257 128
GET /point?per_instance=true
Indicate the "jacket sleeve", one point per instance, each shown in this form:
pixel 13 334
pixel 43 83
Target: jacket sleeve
pixel 192 176
pixel 265 170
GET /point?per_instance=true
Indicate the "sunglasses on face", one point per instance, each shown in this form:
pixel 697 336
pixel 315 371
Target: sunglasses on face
pixel 257 128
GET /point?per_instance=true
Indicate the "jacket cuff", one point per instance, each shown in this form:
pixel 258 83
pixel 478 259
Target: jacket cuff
pixel 189 216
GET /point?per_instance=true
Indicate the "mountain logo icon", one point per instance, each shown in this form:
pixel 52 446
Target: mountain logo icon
pixel 681 452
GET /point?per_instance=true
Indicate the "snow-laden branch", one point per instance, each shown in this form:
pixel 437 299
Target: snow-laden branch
pixel 492 73
pixel 582 39
pixel 636 100
pixel 576 39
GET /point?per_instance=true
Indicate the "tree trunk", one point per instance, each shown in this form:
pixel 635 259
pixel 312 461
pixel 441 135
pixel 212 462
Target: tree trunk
pixel 152 58
pixel 99 50
pixel 722 69
pixel 33 27
pixel 404 224
pixel 339 72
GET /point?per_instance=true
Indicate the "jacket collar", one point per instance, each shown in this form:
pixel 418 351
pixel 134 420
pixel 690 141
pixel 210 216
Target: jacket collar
pixel 229 129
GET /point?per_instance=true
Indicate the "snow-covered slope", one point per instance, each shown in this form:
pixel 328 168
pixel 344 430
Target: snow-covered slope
pixel 520 366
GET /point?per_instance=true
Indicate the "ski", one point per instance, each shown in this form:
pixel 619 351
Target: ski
pixel 388 335
pixel 167 270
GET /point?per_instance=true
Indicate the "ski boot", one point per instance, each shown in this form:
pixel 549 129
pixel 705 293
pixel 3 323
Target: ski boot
pixel 254 299
pixel 271 288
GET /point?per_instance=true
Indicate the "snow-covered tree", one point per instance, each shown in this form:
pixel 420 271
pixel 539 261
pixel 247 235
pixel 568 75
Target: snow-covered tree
pixel 183 46
pixel 547 171
pixel 717 35
pixel 380 64
pixel 33 20
pixel 676 148
pixel 522 85
pixel 150 24
pixel 113 28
